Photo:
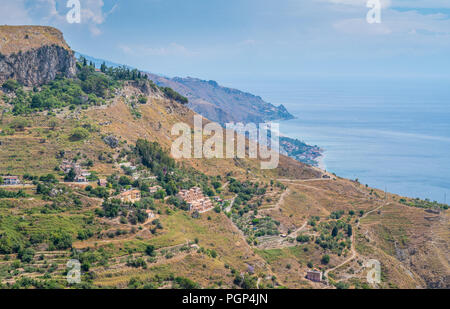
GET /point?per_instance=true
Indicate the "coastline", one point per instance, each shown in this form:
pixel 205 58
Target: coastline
pixel 321 161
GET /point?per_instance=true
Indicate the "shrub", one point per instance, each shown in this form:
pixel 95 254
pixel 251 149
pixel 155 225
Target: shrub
pixel 61 240
pixel 79 134
pixel 19 124
pixel 325 259
pixel 11 85
pixel 186 284
pixel 172 94
pixel 303 238
pixel 150 250
pixel 26 255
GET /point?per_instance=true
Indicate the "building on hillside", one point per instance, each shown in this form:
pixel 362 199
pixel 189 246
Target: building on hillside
pixel 67 166
pixel 130 196
pixel 81 179
pixel 154 189
pixel 102 182
pixel 85 173
pixel 314 275
pixel 196 200
pixel 10 180
pixel 151 214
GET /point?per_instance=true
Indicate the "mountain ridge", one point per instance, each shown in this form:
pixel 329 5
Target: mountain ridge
pixel 205 97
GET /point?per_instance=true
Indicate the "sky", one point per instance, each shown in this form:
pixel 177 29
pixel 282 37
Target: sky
pixel 228 40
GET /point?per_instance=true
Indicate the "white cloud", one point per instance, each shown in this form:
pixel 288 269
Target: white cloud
pixel 14 13
pixel 53 12
pixel 420 4
pixel 395 22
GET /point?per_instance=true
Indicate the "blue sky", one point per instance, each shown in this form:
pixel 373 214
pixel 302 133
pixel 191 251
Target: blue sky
pixel 228 40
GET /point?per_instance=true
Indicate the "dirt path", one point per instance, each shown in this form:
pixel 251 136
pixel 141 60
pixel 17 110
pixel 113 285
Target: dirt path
pixel 294 233
pixel 305 180
pixel 279 203
pixel 228 209
pixel 257 283
pixel 353 249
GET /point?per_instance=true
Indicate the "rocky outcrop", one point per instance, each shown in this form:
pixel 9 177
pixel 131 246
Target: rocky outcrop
pixel 37 67
pixel 34 55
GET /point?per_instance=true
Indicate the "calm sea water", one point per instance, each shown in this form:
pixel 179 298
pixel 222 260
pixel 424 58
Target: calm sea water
pixel 392 134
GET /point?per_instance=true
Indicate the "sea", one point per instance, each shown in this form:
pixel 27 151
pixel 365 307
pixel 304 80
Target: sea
pixel 390 133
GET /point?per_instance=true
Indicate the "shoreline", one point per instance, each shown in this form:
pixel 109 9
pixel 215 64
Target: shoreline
pixel 321 161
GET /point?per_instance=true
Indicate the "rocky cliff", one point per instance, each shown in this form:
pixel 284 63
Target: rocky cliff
pixel 34 55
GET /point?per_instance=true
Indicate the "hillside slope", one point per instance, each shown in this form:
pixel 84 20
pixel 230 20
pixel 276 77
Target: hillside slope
pixel 266 229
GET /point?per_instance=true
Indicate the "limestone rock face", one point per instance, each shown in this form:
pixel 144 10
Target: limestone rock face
pixel 34 55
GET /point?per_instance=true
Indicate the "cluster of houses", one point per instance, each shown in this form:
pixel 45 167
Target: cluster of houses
pixel 196 200
pixel 80 174
pixel 10 180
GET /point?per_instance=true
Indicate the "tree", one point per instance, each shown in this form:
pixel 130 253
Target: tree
pixel 349 230
pixel 79 134
pixel 172 94
pixel 303 238
pixel 19 124
pixel 160 195
pixel 171 188
pixel 1 181
pixel 112 208
pixel 150 250
pixel 53 124
pixel 26 255
pixel 334 232
pixel 124 181
pixel 70 177
pixel 61 240
pixel 325 259
pixel 103 67
pixel 11 85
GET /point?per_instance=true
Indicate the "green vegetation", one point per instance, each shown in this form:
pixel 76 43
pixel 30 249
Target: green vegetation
pixel 12 194
pixel 154 157
pixel 172 94
pixel 89 88
pixel 325 259
pixel 79 134
pixel 159 281
pixel 303 238
pixel 427 204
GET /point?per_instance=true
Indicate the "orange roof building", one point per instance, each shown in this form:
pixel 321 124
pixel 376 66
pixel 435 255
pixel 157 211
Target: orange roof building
pixel 130 196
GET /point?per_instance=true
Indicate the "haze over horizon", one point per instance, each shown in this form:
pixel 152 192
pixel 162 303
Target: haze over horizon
pixel 233 40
